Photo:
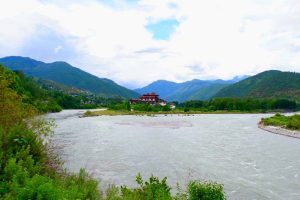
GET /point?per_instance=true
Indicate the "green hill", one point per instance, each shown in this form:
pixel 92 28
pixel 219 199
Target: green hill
pixel 267 84
pixel 64 73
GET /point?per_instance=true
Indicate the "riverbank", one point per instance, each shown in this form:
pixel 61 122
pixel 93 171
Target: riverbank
pixel 144 113
pixel 280 130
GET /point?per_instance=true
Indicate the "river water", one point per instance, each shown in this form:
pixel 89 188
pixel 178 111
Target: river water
pixel 226 148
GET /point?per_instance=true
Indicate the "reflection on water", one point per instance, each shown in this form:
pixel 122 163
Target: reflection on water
pixel 251 163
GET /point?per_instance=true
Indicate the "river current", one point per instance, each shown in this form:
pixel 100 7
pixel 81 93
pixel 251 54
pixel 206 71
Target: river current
pixel 226 148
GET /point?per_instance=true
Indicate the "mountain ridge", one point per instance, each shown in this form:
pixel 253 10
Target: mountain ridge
pixel 195 89
pixel 64 73
pixel 271 83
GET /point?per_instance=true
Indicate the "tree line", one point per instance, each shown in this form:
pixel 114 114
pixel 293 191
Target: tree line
pixel 240 104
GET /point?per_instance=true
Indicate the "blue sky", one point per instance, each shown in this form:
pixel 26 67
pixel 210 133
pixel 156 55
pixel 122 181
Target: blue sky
pixel 162 30
pixel 117 3
pixel 135 42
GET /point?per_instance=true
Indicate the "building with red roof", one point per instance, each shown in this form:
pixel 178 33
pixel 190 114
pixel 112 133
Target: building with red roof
pixel 151 98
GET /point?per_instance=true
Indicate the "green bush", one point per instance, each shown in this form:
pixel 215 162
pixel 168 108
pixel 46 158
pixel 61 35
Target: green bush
pixel 290 122
pixel 205 191
pixel 186 109
pixel 154 189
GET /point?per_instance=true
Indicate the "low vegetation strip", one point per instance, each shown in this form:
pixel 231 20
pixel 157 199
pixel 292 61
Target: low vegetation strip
pixel 91 113
pixel 288 122
pixel 214 106
pixel 281 124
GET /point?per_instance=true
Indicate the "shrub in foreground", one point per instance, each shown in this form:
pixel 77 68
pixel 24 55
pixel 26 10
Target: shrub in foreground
pixel 205 191
pixel 154 189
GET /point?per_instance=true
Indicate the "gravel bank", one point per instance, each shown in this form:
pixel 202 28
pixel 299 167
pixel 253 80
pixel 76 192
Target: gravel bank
pixel 280 131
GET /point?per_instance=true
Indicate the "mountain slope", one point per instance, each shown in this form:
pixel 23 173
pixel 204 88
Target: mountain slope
pixel 206 93
pixel 189 90
pixel 271 83
pixel 162 87
pixel 66 74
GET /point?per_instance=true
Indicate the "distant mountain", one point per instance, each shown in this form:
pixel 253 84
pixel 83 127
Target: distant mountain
pixel 162 87
pixel 271 83
pixel 206 93
pixel 64 73
pixel 190 90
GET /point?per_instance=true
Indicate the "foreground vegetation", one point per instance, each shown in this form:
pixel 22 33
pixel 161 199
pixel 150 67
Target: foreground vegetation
pixel 29 169
pixel 288 122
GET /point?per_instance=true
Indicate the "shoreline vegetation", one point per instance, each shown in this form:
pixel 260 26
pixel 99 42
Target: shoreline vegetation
pixel 30 168
pixel 108 112
pixel 214 106
pixel 282 125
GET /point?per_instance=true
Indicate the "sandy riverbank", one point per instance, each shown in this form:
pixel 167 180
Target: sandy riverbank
pixel 280 131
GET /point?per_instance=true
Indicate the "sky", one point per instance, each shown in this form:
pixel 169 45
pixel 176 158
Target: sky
pixel 135 42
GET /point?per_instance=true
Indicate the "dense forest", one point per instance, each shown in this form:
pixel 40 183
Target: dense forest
pixel 241 104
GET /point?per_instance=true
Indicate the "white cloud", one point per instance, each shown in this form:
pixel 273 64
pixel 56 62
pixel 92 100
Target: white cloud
pixel 215 39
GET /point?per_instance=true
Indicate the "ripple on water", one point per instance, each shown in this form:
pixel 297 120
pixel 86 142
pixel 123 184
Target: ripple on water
pixel 229 149
pixel 158 124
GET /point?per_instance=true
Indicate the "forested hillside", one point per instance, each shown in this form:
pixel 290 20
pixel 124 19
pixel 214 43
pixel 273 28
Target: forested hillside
pixel 64 73
pixel 268 84
pixel 48 96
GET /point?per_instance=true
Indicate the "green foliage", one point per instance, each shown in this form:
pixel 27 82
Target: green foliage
pixel 27 170
pixel 145 107
pixel 205 191
pixel 290 122
pixel 240 104
pixel 186 109
pixel 26 91
pixel 139 107
pixel 154 189
pixel 124 106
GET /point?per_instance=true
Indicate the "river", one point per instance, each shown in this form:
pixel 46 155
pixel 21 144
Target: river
pixel 226 148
